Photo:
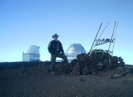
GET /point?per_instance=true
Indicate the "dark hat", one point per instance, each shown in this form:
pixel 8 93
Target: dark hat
pixel 55 35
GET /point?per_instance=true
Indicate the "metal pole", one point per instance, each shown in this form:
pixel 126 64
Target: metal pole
pixel 112 36
pixel 110 44
pixel 115 37
pixel 95 39
pixel 103 30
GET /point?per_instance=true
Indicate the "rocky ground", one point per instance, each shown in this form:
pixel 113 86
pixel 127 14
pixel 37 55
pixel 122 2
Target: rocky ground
pixel 37 81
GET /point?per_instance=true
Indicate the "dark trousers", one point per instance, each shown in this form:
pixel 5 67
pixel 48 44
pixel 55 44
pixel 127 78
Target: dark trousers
pixel 53 60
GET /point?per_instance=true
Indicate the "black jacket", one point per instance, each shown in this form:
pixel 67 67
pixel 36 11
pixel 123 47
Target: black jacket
pixel 53 46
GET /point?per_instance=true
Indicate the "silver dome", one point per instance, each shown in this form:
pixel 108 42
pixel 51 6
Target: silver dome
pixel 74 50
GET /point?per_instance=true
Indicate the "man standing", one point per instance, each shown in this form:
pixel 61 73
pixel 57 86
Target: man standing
pixel 55 48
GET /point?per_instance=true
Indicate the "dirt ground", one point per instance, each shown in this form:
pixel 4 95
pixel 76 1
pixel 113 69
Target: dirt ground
pixel 37 81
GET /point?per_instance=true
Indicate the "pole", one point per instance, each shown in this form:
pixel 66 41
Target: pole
pixel 95 39
pixel 103 30
pixel 110 43
pixel 115 37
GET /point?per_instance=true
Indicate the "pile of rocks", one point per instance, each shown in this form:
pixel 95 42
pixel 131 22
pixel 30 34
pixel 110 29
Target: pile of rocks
pixel 98 61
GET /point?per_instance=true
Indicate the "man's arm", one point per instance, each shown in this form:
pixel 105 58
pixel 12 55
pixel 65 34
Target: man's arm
pixel 49 47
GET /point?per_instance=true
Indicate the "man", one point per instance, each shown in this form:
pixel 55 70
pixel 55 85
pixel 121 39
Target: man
pixel 55 48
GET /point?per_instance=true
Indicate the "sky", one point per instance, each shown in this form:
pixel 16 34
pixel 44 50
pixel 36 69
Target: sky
pixel 33 22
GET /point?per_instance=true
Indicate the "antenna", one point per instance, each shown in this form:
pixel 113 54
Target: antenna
pixel 99 41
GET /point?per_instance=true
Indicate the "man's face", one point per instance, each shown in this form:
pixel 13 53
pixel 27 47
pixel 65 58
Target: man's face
pixel 55 37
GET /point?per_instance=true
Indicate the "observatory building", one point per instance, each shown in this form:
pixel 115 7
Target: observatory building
pixel 32 54
pixel 73 50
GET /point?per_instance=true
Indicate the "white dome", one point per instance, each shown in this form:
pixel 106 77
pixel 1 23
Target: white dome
pixel 75 49
pixel 34 49
pixel 71 49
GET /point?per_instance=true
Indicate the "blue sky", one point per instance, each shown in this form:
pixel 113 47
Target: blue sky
pixel 33 22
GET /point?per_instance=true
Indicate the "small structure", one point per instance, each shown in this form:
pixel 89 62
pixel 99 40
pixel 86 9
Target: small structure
pixel 97 41
pixel 32 54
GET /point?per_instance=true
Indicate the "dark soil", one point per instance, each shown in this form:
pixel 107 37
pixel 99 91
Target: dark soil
pixel 37 81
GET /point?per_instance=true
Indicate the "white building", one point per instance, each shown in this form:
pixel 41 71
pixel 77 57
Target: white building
pixel 74 50
pixel 33 54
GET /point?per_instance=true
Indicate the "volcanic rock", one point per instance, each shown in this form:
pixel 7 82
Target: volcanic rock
pixel 98 61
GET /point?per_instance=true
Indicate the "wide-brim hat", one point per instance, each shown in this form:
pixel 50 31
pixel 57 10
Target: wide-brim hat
pixel 55 35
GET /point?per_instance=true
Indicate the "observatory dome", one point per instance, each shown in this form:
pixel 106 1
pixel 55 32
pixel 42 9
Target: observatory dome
pixel 34 49
pixel 74 50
